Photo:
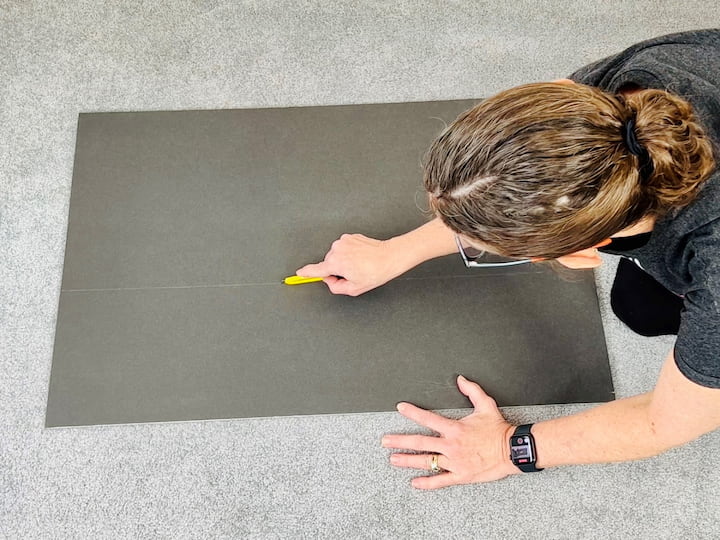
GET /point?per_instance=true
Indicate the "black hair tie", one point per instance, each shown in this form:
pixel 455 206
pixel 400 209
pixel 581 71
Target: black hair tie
pixel 630 138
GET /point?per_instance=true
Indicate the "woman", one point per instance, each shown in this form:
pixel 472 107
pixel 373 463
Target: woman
pixel 623 152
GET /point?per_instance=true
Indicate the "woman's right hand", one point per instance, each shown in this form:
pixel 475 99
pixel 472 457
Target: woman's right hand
pixel 356 264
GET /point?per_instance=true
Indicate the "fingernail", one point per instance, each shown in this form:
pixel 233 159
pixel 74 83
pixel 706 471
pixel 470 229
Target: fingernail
pixel 393 459
pixel 384 441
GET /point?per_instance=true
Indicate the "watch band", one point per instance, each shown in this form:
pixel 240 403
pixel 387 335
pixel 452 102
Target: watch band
pixel 525 430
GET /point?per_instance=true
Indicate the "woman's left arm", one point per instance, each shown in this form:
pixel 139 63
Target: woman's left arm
pixel 475 448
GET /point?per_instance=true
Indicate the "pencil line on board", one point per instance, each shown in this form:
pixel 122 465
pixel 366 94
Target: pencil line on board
pixel 276 283
pixel 150 288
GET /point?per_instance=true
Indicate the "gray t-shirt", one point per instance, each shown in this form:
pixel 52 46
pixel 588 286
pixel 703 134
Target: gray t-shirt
pixel 683 251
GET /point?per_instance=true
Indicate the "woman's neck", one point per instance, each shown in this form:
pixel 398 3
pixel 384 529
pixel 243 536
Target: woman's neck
pixel 645 225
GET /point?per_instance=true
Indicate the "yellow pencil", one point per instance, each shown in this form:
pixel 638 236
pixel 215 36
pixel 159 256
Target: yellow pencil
pixel 297 280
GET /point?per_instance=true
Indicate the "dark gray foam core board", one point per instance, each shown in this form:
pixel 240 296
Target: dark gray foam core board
pixel 182 225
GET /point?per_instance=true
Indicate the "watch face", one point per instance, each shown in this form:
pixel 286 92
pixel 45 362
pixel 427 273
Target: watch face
pixel 521 450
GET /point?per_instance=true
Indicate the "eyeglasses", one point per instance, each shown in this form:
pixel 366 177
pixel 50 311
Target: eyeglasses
pixel 472 256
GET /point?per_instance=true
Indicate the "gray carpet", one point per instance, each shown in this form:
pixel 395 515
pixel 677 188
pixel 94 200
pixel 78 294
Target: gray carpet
pixel 304 477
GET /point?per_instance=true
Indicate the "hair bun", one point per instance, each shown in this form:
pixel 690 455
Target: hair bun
pixel 680 151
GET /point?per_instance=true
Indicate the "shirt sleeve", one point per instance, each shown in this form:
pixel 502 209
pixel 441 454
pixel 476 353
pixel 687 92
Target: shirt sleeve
pixel 697 349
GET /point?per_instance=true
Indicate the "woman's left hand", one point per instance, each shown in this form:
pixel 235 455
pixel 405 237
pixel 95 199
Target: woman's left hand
pixel 472 449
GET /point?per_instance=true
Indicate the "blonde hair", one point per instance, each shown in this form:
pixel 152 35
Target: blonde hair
pixel 542 170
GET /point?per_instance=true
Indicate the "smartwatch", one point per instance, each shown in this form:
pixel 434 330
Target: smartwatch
pixel 522 449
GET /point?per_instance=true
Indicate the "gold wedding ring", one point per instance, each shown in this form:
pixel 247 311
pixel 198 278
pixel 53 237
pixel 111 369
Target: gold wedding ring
pixel 434 467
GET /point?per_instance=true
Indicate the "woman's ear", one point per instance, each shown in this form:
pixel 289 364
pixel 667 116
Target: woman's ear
pixel 587 258
pixel 564 81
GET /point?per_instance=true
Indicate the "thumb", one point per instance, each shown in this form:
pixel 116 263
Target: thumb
pixel 314 270
pixel 475 393
pixel 339 286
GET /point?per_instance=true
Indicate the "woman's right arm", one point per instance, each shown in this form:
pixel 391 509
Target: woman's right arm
pixel 356 264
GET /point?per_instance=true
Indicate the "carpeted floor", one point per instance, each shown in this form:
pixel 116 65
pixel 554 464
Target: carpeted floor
pixel 304 477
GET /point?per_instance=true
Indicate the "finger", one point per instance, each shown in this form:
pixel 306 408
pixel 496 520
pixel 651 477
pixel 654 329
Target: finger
pixel 419 443
pixel 314 270
pixel 436 481
pixel 418 461
pixel 425 418
pixel 475 393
